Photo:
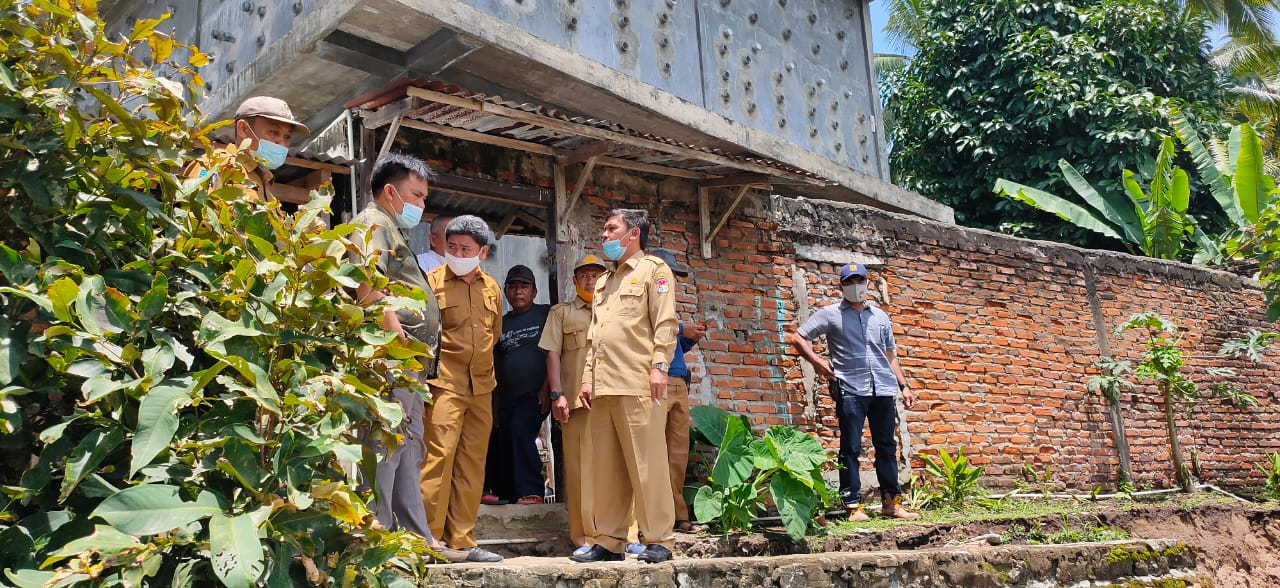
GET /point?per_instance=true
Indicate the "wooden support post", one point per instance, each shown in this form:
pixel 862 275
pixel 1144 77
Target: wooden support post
pixel 732 207
pixel 504 225
pixel 562 200
pixel 391 137
pixel 704 220
pixel 579 184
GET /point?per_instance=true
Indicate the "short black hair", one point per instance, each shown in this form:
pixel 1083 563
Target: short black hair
pixel 470 225
pixel 394 167
pixel 632 218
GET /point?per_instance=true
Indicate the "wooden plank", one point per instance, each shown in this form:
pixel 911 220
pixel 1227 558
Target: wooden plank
pixel 562 198
pixel 579 184
pixel 650 168
pixel 704 220
pixel 513 193
pixel 504 225
pixel 607 135
pixel 291 193
pixel 584 153
pixel 391 137
pixel 376 119
pixel 742 192
pixel 531 220
pixel 477 137
pixel 736 180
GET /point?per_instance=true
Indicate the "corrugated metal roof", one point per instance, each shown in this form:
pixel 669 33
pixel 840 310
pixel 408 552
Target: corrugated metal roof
pixel 469 119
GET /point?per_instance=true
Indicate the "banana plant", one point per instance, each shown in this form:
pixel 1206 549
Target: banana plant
pixel 1155 222
pixel 1234 171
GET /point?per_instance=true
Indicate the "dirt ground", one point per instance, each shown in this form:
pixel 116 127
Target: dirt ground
pixel 1237 545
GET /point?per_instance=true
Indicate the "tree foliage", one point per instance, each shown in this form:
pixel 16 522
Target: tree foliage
pixel 183 371
pixel 1005 88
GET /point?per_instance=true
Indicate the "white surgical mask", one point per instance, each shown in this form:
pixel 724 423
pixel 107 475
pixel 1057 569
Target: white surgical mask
pixel 462 266
pixel 855 292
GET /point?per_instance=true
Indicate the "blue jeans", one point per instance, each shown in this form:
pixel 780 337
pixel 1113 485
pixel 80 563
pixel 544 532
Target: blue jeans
pixel 880 413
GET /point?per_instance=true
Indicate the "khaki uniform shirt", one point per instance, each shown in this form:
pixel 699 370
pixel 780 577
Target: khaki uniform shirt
pixel 377 237
pixel 472 318
pixel 633 326
pixel 257 185
pixel 566 333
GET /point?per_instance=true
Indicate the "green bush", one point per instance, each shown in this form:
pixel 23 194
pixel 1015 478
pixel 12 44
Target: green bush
pixel 784 466
pixel 183 373
pixel 1271 469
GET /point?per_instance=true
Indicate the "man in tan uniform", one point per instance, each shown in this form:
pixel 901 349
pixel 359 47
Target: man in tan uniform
pixel 269 126
pixel 461 414
pixel 629 348
pixel 564 338
pixel 399 187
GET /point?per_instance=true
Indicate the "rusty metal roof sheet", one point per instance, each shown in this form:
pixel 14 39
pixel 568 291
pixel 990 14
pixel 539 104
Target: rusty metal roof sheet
pixel 469 119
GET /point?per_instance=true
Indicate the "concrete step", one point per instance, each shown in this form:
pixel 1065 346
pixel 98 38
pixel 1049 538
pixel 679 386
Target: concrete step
pixel 524 530
pixel 1138 563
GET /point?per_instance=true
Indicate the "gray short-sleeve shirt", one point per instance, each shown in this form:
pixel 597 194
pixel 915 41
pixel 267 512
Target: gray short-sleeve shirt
pixel 858 343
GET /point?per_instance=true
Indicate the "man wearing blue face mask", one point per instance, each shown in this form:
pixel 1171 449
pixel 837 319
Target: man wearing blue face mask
pixel 399 187
pixel 866 379
pixel 264 128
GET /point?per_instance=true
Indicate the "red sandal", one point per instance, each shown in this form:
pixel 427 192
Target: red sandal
pixel 530 499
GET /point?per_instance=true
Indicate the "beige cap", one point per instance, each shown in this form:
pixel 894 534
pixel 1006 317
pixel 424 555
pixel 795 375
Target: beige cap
pixel 589 260
pixel 272 108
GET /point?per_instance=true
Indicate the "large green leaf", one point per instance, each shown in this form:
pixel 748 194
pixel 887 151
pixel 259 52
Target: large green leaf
pixel 13 350
pixel 1063 208
pixel 799 453
pixel 1115 208
pixel 735 462
pixel 710 421
pixel 236 551
pixel 87 455
pixel 708 504
pixel 104 540
pixel 796 503
pixel 1252 194
pixel 158 420
pixel 153 508
pixel 1219 180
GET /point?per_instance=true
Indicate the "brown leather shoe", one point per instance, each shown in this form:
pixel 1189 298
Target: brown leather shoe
pixel 892 508
pixel 857 515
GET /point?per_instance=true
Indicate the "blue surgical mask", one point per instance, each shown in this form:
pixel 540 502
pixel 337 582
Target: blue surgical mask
pixel 613 250
pixel 410 214
pixel 269 155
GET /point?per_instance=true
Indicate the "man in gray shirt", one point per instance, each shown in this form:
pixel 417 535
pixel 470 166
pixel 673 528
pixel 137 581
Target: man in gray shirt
pixel 865 380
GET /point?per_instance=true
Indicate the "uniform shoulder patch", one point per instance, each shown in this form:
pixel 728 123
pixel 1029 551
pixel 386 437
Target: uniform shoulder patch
pixel 663 284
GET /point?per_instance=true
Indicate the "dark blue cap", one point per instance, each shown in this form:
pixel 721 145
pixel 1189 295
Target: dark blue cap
pixel 670 259
pixel 850 270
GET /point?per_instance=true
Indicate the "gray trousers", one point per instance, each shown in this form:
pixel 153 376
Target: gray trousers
pixel 398 493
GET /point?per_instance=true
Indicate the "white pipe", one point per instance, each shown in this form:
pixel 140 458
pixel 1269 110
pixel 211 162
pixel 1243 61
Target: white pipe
pixel 1224 492
pixel 1081 496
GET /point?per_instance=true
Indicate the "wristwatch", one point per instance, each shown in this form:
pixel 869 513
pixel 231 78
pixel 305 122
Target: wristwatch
pixel 662 365
pixel 556 395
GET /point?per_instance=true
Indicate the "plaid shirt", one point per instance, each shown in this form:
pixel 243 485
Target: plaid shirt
pixel 858 343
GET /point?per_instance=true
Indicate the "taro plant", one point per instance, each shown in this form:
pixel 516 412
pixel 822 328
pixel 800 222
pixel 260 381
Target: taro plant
pixel 1271 469
pixel 783 466
pixel 184 374
pixel 954 479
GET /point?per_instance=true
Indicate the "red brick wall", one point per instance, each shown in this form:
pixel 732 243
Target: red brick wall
pixel 997 334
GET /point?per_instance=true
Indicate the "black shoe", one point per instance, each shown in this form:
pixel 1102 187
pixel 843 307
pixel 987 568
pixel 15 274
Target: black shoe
pixel 598 554
pixel 655 554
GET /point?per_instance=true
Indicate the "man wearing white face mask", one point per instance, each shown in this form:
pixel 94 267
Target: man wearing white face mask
pixel 269 127
pixel 865 379
pixel 462 402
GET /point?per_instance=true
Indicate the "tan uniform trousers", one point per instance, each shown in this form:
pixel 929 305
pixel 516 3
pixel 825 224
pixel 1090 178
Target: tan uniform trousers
pixel 457 439
pixel 677 404
pixel 576 436
pixel 629 456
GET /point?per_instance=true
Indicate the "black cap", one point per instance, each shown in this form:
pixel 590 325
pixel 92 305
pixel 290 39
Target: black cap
pixel 670 260
pixel 520 273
